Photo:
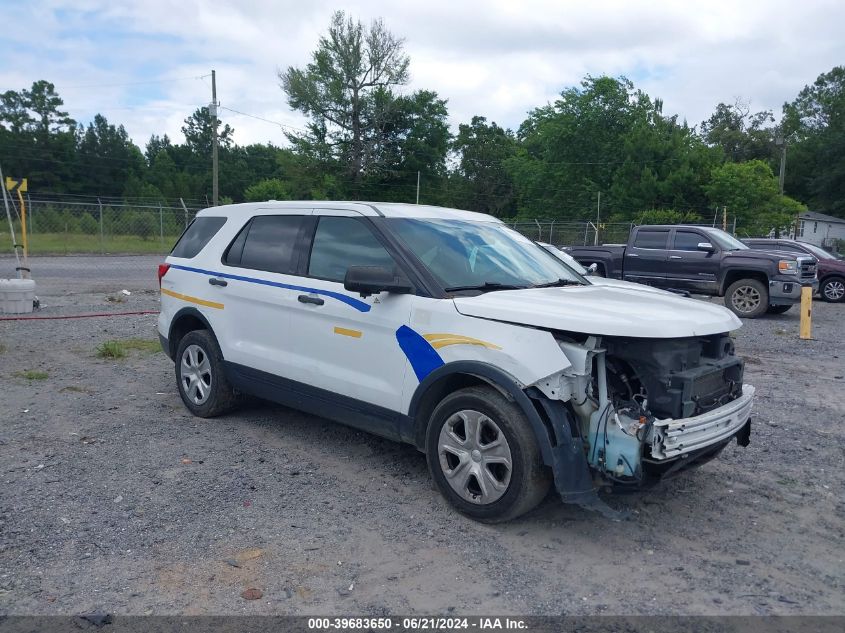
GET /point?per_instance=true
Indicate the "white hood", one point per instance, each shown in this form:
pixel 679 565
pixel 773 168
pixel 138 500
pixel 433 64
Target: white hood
pixel 607 281
pixel 606 309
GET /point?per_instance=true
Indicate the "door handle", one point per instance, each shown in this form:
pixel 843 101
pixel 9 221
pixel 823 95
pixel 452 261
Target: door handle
pixel 632 255
pixel 214 281
pixel 309 299
pixel 675 257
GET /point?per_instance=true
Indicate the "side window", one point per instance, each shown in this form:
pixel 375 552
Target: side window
pixel 688 241
pixel 651 239
pixel 267 243
pixel 196 236
pixel 341 242
pixel 757 246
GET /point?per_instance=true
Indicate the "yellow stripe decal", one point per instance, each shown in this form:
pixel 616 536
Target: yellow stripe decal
pixel 202 302
pixel 442 340
pixel 347 332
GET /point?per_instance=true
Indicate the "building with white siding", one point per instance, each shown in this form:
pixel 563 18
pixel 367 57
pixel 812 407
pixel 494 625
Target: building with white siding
pixel 822 230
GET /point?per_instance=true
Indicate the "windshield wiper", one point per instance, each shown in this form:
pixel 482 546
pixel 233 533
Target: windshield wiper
pixel 487 285
pixel 558 283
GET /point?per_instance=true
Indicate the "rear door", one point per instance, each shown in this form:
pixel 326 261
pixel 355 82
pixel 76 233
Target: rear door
pixel 688 267
pixel 258 274
pixel 646 256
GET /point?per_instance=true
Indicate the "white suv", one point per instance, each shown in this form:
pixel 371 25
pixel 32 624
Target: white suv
pixel 448 330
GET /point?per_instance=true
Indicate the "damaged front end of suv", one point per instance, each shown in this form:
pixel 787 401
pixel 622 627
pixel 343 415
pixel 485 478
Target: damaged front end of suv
pixel 645 409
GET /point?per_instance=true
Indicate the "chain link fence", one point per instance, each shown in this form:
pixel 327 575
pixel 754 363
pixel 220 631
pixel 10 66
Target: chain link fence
pixel 61 227
pixel 57 227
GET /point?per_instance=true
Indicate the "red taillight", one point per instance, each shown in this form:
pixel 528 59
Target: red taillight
pixel 162 271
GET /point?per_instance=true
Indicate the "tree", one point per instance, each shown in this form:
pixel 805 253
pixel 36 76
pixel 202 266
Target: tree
pixel 44 102
pixel 482 150
pixel 740 134
pixel 815 127
pixel 750 192
pixel 14 112
pixel 107 157
pixel 667 216
pixel 270 189
pixel 199 133
pixel 342 90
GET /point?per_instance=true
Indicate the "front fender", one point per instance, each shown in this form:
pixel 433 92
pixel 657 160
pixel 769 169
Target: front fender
pixel 556 433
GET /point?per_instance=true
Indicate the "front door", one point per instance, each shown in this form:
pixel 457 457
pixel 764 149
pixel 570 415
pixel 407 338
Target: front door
pixel 344 343
pixel 690 268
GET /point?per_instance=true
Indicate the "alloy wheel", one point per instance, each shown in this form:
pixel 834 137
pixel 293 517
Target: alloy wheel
pixel 195 375
pixel 834 290
pixel 746 299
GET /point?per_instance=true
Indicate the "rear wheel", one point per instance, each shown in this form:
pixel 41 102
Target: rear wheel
pixel 200 377
pixel 747 298
pixel 483 456
pixel 778 309
pixel 833 289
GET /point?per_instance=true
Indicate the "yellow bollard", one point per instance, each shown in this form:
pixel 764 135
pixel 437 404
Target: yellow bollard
pixel 806 328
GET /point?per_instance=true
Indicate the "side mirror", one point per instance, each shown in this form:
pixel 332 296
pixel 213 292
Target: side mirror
pixel 371 280
pixel 707 247
pixel 592 268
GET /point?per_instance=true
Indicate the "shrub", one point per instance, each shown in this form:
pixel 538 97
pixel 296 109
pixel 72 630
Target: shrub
pixel 88 225
pixel 143 225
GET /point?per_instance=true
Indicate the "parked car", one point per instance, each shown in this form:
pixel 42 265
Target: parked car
pixel 831 267
pixel 449 331
pixel 707 261
pixel 596 280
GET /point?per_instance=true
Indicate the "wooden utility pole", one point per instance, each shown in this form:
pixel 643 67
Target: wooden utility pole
pixel 214 163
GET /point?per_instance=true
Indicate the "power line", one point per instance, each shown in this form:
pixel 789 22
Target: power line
pixel 134 83
pixel 259 118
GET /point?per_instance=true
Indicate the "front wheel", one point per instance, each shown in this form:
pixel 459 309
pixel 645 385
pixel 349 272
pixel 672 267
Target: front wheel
pixel 747 298
pixel 833 289
pixel 484 457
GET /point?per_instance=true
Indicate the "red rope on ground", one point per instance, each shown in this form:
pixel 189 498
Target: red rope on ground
pixel 77 316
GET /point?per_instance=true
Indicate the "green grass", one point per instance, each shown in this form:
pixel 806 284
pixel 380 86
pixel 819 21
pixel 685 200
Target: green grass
pixel 111 349
pixel 77 243
pixel 32 374
pixel 119 349
pixel 149 346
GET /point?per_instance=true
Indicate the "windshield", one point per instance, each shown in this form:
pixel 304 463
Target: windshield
pixel 820 252
pixel 725 241
pixel 464 255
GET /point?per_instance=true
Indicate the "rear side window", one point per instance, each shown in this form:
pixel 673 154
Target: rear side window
pixel 268 243
pixel 196 236
pixel 688 241
pixel 343 242
pixel 651 239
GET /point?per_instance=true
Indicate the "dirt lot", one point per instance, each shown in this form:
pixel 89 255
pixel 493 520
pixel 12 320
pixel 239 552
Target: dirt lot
pixel 113 497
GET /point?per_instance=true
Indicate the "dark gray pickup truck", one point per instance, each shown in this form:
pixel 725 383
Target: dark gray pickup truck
pixel 704 260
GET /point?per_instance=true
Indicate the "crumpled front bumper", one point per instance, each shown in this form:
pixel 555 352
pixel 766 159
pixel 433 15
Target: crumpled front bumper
pixel 674 438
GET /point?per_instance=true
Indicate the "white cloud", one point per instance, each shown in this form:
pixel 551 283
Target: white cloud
pixel 498 59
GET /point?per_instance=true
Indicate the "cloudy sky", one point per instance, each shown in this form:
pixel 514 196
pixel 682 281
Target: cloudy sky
pixel 144 63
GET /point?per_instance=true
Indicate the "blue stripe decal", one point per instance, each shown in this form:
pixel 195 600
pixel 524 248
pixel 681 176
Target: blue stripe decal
pixel 423 357
pixel 355 303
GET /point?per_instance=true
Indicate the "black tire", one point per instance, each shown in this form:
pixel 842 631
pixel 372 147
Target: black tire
pixel 203 348
pixel 779 309
pixel 747 298
pixel 832 289
pixel 528 481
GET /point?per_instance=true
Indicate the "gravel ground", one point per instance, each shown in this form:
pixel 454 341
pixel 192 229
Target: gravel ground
pixel 113 497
